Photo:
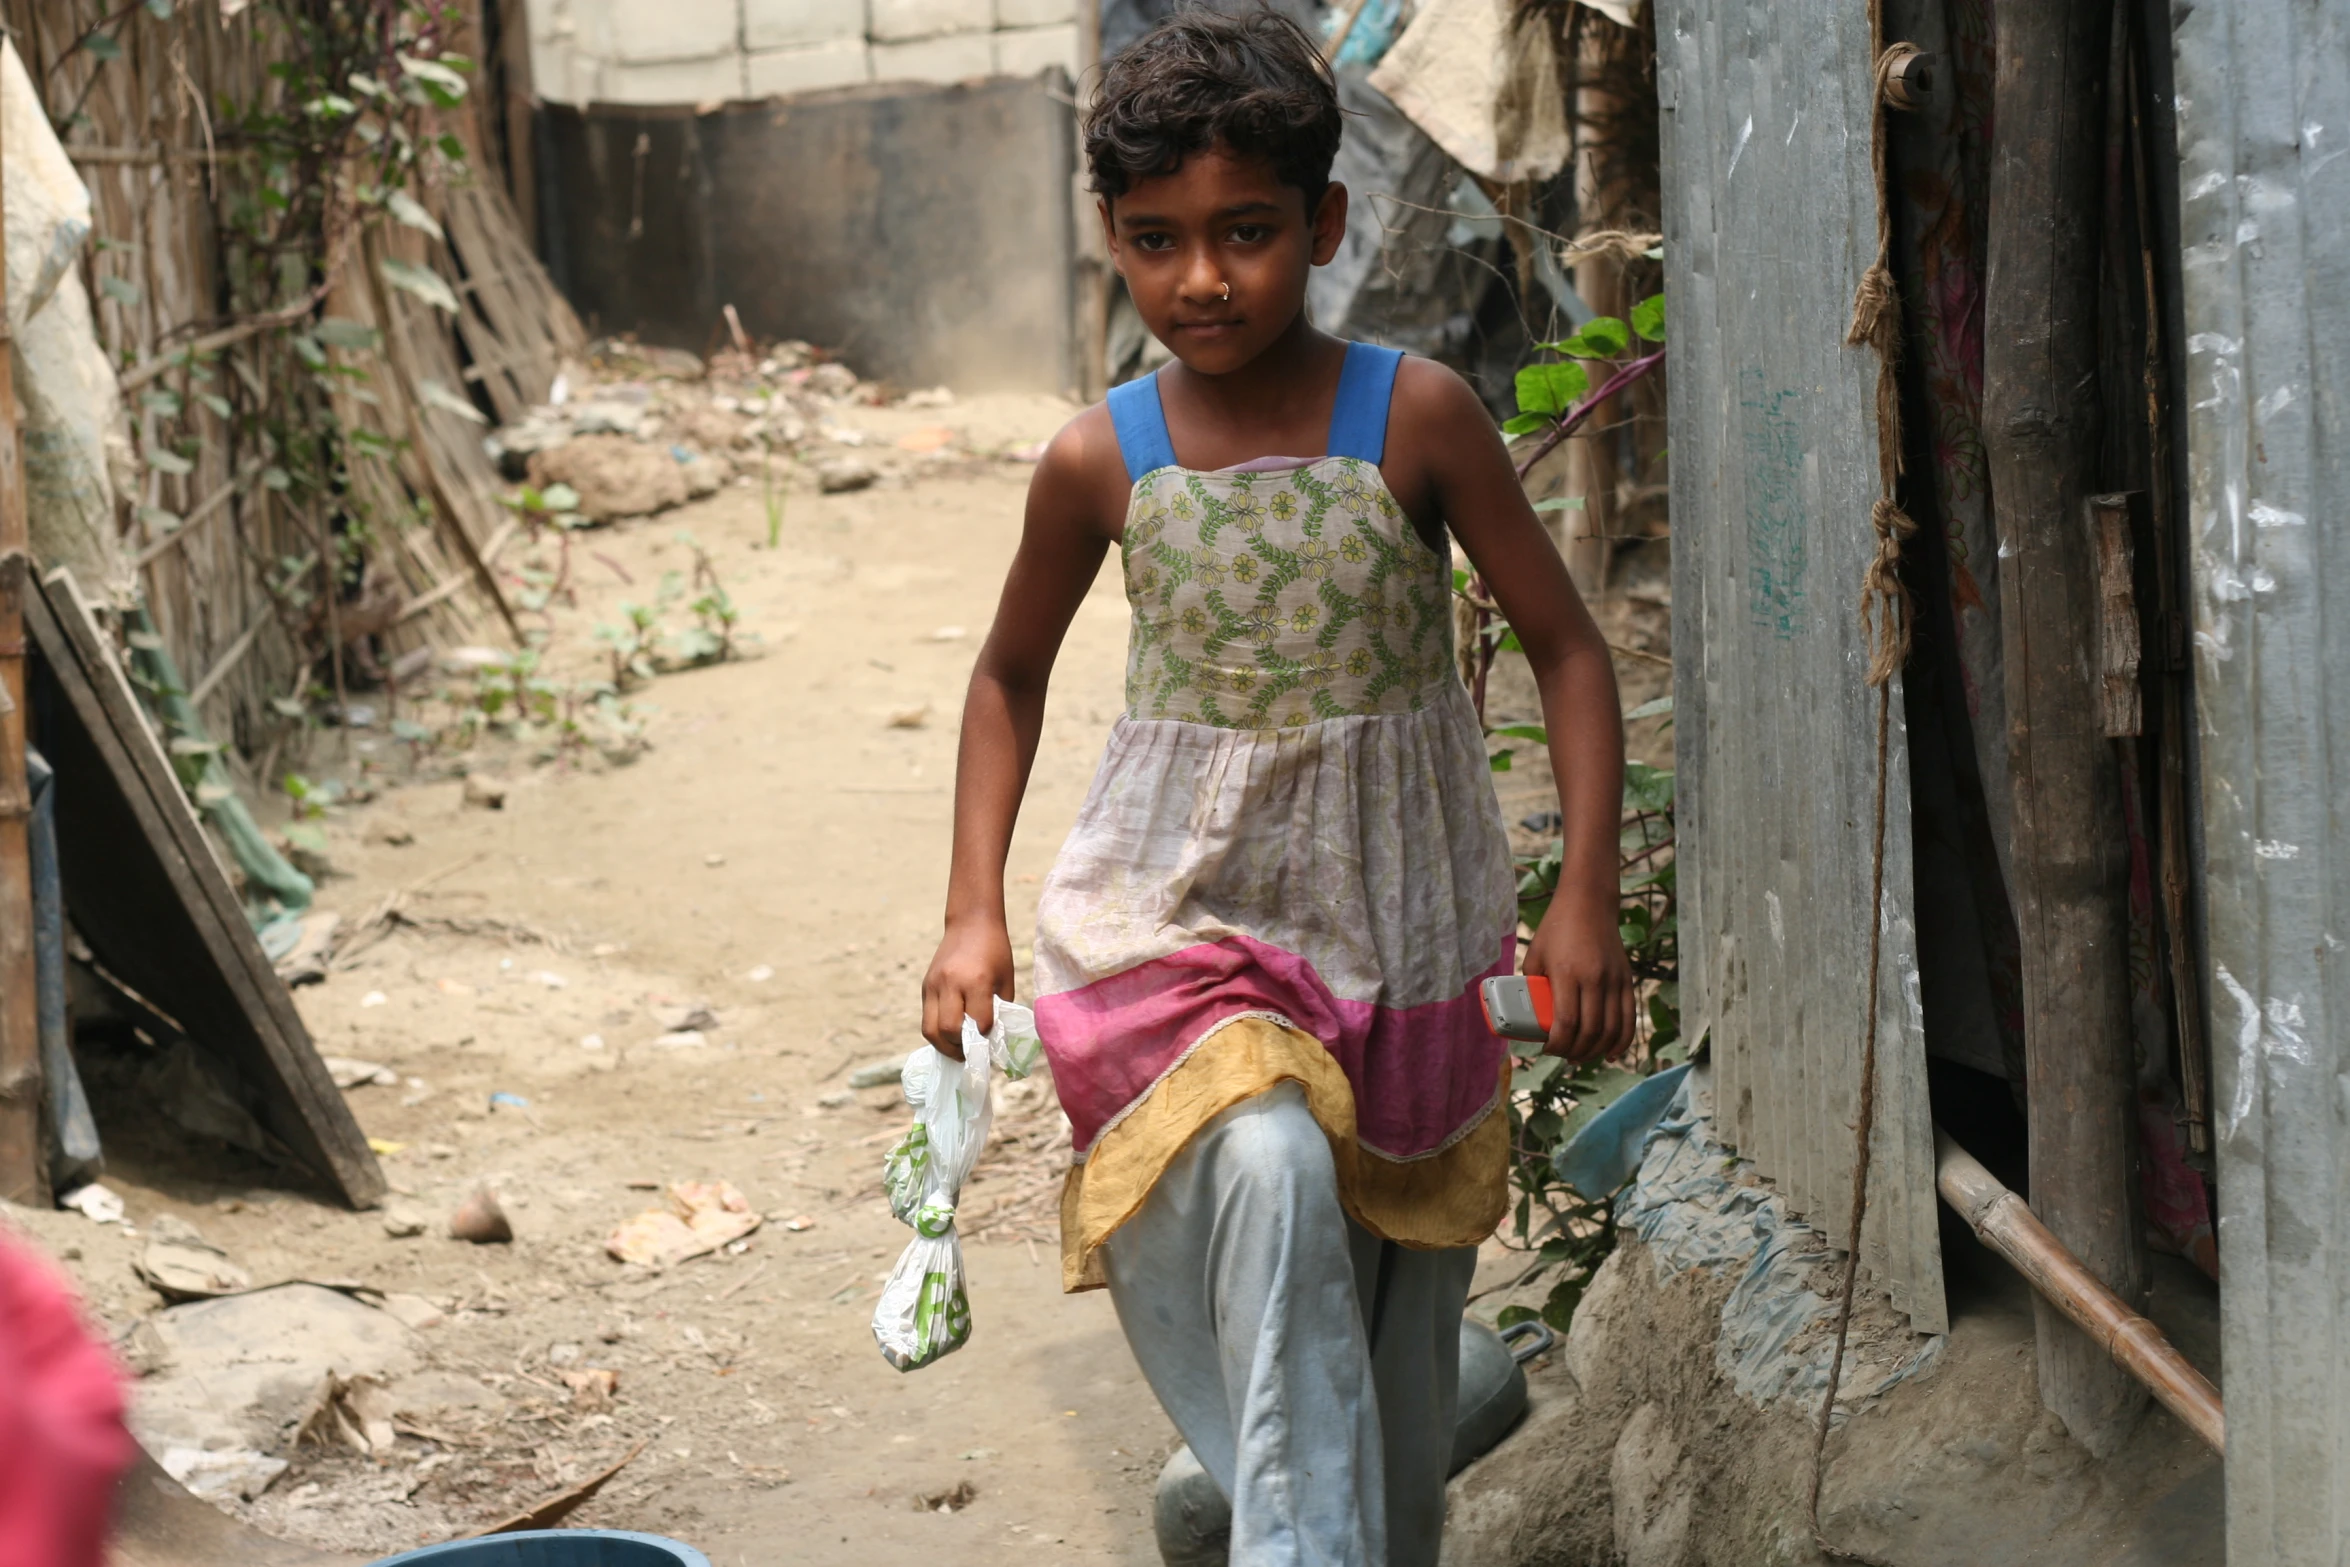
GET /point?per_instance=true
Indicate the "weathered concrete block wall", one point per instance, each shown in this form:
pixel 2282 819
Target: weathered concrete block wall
pixel 709 51
pixel 922 231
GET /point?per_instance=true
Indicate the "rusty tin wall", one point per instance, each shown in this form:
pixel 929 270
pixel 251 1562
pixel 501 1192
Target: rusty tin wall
pixel 1770 218
pixel 2264 174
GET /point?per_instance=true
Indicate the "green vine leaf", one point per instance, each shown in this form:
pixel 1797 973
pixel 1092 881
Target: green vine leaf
pixel 410 211
pixel 1560 503
pixel 423 282
pixel 1602 337
pixel 447 401
pixel 1648 318
pixel 1551 388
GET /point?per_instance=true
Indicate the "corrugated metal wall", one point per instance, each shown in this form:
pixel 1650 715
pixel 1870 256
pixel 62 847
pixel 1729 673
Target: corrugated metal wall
pixel 2264 172
pixel 1770 218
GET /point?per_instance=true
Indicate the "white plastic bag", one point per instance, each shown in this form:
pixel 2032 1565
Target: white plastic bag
pixel 925 1311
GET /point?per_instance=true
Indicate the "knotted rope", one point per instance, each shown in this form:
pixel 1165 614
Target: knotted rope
pixel 1885 620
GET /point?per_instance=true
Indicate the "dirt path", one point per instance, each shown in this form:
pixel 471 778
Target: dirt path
pixel 778 822
pixel 776 857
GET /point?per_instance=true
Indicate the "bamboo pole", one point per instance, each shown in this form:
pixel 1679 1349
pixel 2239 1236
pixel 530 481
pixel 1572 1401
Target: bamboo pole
pixel 2008 1226
pixel 2070 859
pixel 20 1033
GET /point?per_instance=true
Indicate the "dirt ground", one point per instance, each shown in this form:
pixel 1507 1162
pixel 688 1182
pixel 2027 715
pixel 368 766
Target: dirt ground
pixel 777 856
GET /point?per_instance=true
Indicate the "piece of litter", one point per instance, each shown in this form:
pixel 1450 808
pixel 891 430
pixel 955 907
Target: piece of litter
pixel 838 1099
pixel 374 998
pixel 384 1147
pixel 1032 452
pixel 681 1039
pixel 910 717
pixel 799 1224
pixel 713 860
pixel 453 987
pixel 551 980
pixel 94 1202
pixel 949 634
pixel 481 1220
pixel 505 1100
pixel 930 438
pixel 695 1015
pixel 701 1217
pixel 349 1073
pixel 879 1074
pixel 760 975
pixel 591 1041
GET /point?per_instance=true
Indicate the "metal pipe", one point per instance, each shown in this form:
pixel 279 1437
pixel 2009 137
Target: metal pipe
pixel 2008 1226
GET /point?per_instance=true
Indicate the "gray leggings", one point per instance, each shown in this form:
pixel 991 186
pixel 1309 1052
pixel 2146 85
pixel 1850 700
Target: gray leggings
pixel 1312 1367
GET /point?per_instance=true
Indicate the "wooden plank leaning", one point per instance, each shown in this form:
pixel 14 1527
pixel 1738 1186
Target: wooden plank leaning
pixel 150 896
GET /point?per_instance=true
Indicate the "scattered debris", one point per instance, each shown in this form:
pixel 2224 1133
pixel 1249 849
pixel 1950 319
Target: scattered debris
pixel 95 1203
pixel 799 1224
pixel 879 1074
pixel 485 791
pixel 840 475
pixel 350 1073
pixel 481 1220
pixel 928 397
pixel 761 973
pixel 180 1264
pixel 244 1372
pixel 592 1388
pixel 952 1500
pixel 930 438
pixel 562 1503
pixel 375 998
pixel 414 1311
pixel 613 475
pixel 949 634
pixel 694 1014
pixel 681 1039
pixel 238 1472
pixel 701 1217
pixel 403 1220
pixel 838 1099
pixel 910 717
pixel 353 1410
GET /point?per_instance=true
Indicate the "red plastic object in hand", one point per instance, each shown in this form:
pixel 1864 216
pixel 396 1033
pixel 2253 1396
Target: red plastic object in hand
pixel 62 1439
pixel 1517 1006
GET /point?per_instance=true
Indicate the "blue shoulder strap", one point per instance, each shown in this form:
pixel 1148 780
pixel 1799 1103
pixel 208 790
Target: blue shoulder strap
pixel 1142 426
pixel 1358 422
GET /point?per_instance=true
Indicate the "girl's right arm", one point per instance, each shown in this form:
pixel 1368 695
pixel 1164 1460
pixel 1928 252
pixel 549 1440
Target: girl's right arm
pixel 1074 503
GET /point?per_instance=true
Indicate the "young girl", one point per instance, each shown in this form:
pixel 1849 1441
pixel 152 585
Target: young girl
pixel 1258 954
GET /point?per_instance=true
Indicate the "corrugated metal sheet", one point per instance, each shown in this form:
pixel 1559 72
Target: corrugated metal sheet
pixel 1769 223
pixel 2264 173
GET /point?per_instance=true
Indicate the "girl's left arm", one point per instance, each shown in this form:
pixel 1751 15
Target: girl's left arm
pixel 1476 489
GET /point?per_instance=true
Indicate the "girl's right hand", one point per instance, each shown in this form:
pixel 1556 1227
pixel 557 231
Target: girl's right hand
pixel 972 967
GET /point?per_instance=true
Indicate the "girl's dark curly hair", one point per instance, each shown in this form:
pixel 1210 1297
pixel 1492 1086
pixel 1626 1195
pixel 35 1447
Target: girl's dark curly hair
pixel 1254 83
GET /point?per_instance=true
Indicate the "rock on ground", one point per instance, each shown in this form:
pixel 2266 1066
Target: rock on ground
pixel 614 476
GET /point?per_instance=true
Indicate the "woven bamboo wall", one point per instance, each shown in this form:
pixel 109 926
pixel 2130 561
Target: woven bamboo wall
pixel 139 129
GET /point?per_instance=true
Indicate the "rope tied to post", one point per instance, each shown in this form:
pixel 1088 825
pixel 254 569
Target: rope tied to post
pixel 1885 622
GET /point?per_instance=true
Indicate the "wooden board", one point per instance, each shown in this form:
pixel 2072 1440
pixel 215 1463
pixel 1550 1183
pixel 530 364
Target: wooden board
pixel 147 892
pixel 2263 96
pixel 1770 217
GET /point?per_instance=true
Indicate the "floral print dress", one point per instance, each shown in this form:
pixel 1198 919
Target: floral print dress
pixel 1291 865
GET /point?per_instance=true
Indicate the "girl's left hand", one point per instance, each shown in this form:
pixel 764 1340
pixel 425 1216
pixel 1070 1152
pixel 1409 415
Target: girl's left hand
pixel 1593 1009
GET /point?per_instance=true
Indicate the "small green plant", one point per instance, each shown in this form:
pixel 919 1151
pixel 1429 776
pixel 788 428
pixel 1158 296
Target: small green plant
pixel 770 494
pixel 556 507
pixel 710 640
pixel 633 642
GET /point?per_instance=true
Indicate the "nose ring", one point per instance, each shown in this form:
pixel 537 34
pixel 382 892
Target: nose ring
pixel 1227 294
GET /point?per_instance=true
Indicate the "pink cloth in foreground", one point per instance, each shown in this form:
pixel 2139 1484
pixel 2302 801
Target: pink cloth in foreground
pixel 62 1439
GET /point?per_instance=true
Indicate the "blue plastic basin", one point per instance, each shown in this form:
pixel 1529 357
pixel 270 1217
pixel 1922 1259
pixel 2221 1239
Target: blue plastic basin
pixel 554 1548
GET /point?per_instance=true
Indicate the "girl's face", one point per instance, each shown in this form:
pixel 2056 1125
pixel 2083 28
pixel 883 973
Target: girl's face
pixel 1216 255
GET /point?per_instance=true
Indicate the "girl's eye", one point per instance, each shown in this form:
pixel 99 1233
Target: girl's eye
pixel 1160 242
pixel 1250 233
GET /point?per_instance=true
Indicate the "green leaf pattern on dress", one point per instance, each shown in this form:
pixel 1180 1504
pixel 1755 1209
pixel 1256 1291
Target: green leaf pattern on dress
pixel 1272 600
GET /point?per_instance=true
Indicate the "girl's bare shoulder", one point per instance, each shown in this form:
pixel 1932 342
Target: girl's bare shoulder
pixel 1082 474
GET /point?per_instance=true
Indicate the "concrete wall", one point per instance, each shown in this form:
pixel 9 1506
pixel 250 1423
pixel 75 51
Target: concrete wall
pixel 710 51
pixel 923 232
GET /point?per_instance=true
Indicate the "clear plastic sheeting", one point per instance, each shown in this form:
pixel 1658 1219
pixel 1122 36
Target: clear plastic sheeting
pixel 1698 1205
pixel 72 409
